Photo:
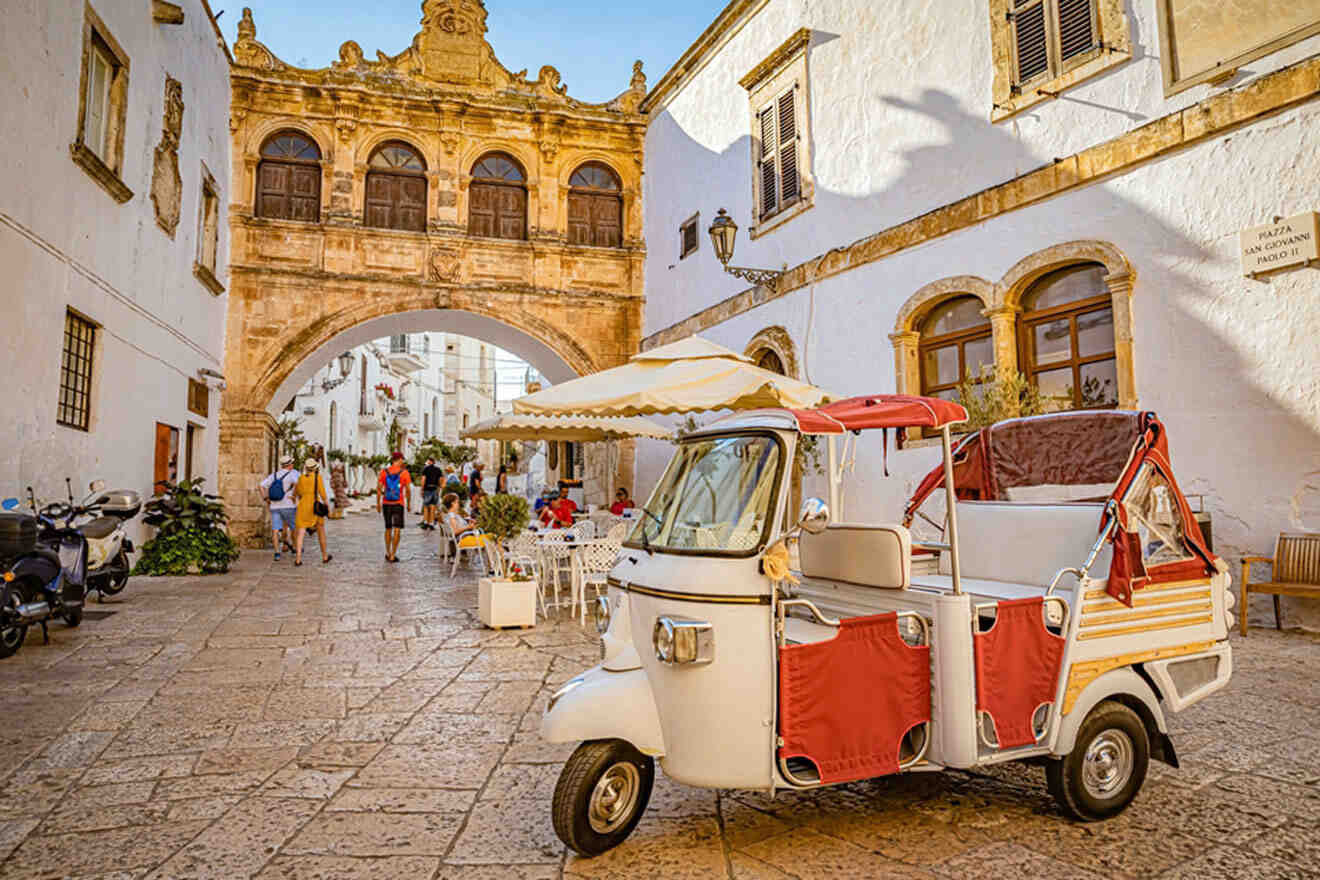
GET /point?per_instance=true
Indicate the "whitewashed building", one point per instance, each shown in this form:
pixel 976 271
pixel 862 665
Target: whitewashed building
pixel 113 185
pixel 1068 189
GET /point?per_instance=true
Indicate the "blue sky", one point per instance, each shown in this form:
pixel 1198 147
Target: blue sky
pixel 592 43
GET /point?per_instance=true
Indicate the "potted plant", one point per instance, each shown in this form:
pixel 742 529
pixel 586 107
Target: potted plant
pixel 508 598
pixel 190 532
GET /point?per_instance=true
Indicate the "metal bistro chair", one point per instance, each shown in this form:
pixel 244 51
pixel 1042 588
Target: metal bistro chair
pixel 618 533
pixel 524 552
pixel 557 557
pixel 592 563
pixel 584 530
pixel 472 542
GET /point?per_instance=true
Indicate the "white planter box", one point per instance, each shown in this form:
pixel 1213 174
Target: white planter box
pixel 506 603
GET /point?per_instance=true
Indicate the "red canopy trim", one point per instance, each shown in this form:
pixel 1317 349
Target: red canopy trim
pixel 1127 571
pixel 879 411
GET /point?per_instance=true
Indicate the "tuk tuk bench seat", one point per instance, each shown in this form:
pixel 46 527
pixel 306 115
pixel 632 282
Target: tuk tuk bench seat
pixel 982 587
pixel 1294 571
pixel 1009 546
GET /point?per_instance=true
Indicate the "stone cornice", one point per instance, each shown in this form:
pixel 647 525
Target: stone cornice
pixel 776 59
pixel 1221 113
pixel 733 15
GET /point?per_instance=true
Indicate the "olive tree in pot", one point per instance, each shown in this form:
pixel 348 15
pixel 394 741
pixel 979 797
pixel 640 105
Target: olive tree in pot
pixel 502 517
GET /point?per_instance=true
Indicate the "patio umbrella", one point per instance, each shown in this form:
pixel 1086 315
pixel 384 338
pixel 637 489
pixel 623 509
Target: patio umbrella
pixel 691 375
pixel 572 428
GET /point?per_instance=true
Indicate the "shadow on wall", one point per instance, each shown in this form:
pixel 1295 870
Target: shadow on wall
pixel 1187 362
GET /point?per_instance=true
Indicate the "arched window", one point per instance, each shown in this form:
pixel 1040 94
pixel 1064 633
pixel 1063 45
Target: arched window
pixel 595 207
pixel 955 344
pixel 396 188
pixel 1067 338
pixel 497 201
pixel 289 178
pixel 769 359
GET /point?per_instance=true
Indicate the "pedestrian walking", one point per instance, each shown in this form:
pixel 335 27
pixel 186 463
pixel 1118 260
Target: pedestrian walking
pixel 451 478
pixel 474 479
pixel 277 490
pixel 431 477
pixel 393 496
pixel 502 481
pixel 313 508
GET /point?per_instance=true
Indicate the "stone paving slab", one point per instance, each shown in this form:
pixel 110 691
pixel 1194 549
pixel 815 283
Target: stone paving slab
pixel 354 721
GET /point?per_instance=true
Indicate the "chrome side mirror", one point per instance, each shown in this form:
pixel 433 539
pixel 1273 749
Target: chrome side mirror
pixel 813 516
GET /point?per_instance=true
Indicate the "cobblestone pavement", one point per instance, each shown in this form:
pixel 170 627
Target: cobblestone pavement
pixel 353 721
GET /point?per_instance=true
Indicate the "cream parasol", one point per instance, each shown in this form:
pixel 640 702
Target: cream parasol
pixel 691 375
pixel 571 428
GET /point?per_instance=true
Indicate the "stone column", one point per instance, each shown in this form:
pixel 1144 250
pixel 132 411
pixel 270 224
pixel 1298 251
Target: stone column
pixel 907 369
pixel 247 439
pixel 1003 331
pixel 1120 293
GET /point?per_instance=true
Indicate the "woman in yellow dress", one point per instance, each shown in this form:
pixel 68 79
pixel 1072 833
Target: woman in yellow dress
pixel 311 489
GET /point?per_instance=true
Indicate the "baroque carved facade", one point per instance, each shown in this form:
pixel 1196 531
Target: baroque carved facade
pixel 434 178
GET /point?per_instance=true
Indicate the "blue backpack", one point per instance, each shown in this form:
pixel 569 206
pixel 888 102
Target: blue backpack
pixel 393 486
pixel 276 492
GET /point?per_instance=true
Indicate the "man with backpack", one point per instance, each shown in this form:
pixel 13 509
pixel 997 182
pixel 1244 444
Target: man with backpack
pixel 279 491
pixel 393 492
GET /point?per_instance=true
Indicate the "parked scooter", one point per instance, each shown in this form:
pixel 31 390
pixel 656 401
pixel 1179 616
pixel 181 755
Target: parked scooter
pixel 45 569
pixel 100 517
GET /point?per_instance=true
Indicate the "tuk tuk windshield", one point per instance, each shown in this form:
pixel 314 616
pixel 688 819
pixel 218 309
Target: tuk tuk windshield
pixel 716 496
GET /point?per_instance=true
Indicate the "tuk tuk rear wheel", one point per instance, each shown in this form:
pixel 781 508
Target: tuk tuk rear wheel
pixel 601 795
pixel 1106 767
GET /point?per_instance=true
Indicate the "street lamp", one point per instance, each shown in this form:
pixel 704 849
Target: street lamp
pixel 723 235
pixel 345 367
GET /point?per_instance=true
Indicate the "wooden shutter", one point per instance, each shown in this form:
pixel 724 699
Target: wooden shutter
pixel 380 200
pixel 411 203
pixel 579 219
pixel 788 167
pixel 1031 43
pixel 305 192
pixel 606 214
pixel 273 191
pixel 1076 27
pixel 768 171
pixel 511 212
pixel 481 210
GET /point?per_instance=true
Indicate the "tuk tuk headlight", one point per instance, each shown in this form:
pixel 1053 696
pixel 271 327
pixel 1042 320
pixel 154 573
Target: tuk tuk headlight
pixel 601 614
pixel 679 640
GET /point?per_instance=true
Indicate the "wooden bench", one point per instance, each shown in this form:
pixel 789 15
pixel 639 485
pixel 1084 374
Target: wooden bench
pixel 1294 571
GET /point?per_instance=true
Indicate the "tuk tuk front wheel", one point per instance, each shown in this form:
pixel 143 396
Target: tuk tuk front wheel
pixel 1107 766
pixel 601 794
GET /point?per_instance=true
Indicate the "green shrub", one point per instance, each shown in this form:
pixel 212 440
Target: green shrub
pixel 994 398
pixel 190 534
pixel 337 455
pixel 503 516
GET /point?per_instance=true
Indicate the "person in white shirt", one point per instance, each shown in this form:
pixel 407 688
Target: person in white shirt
pixel 283 502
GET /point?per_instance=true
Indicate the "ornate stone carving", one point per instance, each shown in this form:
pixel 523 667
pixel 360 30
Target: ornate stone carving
pixel 248 52
pixel 452 45
pixel 166 185
pixel 449 140
pixel 236 117
pixel 631 100
pixel 444 266
pixel 350 56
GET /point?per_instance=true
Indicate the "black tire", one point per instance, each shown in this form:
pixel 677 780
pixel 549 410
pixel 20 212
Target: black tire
pixel 11 637
pixel 590 832
pixel 1106 767
pixel 116 582
pixel 73 616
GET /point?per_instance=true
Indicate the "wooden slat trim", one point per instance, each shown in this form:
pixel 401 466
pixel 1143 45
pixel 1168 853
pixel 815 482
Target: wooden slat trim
pixel 1145 627
pixel 1153 588
pixel 1274 589
pixel 1146 601
pixel 1082 674
pixel 1093 621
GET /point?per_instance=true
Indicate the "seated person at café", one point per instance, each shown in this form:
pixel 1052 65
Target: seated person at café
pixel 546 496
pixel 464 529
pixel 621 502
pixel 558 514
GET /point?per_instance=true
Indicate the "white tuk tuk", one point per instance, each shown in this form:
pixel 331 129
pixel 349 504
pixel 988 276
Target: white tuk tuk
pixel 1073 605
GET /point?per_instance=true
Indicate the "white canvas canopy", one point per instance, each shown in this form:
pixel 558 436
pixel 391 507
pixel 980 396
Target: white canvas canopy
pixel 571 428
pixel 691 375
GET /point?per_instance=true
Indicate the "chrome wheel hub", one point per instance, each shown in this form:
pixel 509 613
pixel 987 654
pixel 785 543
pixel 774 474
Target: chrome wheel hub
pixel 614 799
pixel 1107 764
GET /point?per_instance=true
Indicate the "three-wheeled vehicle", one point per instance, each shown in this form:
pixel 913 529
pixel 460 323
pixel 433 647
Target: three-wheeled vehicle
pixel 1073 605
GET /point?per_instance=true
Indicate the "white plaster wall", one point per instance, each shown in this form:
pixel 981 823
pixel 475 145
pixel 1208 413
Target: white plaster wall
pixel 900 107
pixel 64 242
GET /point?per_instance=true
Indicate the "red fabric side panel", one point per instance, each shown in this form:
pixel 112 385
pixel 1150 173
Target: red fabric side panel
pixel 1017 669
pixel 846 703
pixel 1127 570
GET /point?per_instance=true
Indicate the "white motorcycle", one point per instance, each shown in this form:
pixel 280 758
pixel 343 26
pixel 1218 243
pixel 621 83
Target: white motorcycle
pixel 108 544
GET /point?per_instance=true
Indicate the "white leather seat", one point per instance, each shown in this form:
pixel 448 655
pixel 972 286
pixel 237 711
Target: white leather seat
pixel 870 555
pixel 1023 544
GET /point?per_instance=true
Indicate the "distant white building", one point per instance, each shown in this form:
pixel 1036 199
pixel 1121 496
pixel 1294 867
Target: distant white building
pixel 1058 189
pixel 113 238
pixel 431 384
